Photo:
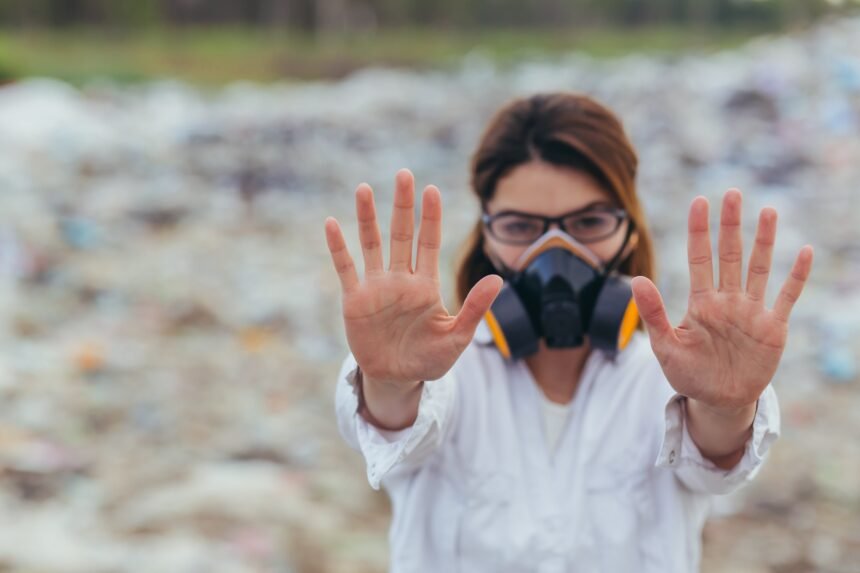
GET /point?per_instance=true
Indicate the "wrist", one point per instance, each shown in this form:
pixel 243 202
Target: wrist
pixel 401 390
pixel 388 386
pixel 725 412
pixel 721 434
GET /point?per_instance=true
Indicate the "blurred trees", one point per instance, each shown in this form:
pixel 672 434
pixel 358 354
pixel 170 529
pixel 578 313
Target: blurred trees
pixel 321 15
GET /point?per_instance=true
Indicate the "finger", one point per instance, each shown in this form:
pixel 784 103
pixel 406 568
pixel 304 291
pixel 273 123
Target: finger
pixel 477 303
pixel 402 222
pixel 793 285
pixel 368 229
pixel 651 308
pixel 730 243
pixel 699 248
pixel 340 255
pixel 430 234
pixel 762 254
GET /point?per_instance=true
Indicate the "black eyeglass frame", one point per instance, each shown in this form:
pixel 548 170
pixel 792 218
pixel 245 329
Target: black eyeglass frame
pixel 620 214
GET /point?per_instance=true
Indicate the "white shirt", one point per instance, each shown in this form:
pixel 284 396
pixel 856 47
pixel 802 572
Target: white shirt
pixel 554 419
pixel 474 488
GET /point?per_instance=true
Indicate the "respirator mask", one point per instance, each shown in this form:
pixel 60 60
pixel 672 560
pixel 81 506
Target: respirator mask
pixel 560 291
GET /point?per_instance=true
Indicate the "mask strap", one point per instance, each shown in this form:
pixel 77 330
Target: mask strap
pixel 616 260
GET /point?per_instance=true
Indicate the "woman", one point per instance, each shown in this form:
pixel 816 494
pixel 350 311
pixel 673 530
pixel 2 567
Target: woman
pixel 519 436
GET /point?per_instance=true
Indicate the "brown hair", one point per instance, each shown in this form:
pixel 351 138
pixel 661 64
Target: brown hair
pixel 565 129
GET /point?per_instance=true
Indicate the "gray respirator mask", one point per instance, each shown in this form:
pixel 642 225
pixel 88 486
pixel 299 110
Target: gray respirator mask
pixel 561 292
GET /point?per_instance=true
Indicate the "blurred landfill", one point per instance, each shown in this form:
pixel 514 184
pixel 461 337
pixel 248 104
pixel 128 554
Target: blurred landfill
pixel 170 320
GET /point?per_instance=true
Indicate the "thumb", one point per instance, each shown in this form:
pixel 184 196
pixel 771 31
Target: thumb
pixel 477 303
pixel 651 308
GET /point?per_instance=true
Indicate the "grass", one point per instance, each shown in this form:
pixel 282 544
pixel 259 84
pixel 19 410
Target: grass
pixel 215 56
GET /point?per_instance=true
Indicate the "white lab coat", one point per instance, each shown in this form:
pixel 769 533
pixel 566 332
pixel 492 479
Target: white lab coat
pixel 474 488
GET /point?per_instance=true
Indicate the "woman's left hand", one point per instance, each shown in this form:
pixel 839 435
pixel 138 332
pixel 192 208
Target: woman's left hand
pixel 728 345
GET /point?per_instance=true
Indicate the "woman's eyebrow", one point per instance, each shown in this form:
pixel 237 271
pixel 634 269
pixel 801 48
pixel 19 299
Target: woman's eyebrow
pixel 598 203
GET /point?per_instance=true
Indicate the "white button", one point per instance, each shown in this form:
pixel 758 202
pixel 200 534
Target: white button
pixel 672 457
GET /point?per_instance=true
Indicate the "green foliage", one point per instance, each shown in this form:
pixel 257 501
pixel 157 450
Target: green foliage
pixel 217 41
pixel 217 55
pixel 312 15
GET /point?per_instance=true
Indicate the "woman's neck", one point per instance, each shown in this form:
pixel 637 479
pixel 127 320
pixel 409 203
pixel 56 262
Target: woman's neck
pixel 557 370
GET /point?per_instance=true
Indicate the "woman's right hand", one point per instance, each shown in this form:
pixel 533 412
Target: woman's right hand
pixel 397 326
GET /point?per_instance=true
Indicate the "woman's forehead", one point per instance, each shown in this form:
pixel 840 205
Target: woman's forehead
pixel 539 187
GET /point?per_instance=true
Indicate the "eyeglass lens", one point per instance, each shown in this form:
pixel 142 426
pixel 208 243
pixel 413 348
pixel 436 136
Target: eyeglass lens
pixel 522 228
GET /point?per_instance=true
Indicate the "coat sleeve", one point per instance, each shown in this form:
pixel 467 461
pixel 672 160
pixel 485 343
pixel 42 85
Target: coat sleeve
pixel 390 453
pixel 680 453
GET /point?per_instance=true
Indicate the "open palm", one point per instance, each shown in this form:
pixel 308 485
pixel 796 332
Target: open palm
pixel 396 324
pixel 728 345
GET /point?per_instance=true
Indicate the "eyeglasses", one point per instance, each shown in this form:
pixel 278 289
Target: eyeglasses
pixel 517 228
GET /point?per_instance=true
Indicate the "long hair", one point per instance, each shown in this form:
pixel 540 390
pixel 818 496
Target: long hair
pixel 564 129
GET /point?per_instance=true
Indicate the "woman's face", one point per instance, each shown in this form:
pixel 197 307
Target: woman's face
pixel 542 188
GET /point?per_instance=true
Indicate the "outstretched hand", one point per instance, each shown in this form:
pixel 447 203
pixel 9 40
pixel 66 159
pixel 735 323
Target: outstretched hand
pixel 396 324
pixel 727 347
